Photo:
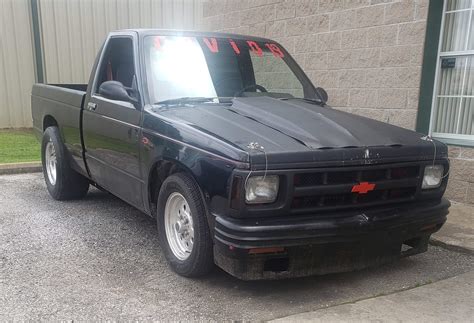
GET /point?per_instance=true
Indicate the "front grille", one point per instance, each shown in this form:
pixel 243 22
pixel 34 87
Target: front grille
pixel 332 188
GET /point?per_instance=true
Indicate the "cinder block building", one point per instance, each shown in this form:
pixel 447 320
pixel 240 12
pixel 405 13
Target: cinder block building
pixel 409 62
pixel 406 62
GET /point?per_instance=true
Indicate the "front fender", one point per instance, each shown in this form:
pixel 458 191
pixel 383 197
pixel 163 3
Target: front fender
pixel 211 172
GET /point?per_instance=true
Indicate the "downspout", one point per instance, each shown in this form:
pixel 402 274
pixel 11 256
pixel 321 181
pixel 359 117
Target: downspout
pixel 37 42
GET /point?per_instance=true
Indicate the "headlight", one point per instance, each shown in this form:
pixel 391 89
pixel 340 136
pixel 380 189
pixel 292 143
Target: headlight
pixel 433 176
pixel 260 189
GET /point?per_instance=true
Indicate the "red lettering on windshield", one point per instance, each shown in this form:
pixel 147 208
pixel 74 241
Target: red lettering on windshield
pixel 212 45
pixel 234 46
pixel 276 51
pixel 255 48
pixel 157 43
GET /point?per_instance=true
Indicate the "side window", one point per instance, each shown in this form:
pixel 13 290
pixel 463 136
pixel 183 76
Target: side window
pixel 117 63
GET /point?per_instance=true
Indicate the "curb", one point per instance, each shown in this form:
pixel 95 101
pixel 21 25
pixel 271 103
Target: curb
pixel 401 304
pixel 452 247
pixel 20 168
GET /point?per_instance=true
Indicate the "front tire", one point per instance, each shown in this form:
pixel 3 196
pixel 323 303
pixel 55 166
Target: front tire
pixel 62 182
pixel 182 225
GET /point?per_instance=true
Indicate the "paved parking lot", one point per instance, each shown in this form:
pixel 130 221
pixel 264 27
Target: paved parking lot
pixel 99 258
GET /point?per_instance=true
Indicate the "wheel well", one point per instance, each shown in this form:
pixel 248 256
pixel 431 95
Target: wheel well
pixel 160 171
pixel 49 121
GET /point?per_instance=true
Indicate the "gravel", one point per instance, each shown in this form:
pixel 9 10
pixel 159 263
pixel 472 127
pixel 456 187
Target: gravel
pixel 99 258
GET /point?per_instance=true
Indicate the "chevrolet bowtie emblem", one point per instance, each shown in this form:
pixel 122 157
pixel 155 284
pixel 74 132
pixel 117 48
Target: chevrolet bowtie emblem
pixel 363 188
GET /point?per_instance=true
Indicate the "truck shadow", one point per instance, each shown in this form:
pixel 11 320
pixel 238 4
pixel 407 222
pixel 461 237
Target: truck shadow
pixel 145 226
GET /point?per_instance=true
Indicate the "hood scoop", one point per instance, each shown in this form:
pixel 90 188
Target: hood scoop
pixel 300 141
pixel 304 122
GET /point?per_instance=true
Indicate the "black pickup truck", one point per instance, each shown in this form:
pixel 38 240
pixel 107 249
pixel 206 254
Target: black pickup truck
pixel 227 143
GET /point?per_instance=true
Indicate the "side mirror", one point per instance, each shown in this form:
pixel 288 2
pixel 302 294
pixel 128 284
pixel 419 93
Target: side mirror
pixel 322 94
pixel 115 90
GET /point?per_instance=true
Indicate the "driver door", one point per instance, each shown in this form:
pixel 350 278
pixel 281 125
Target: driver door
pixel 111 128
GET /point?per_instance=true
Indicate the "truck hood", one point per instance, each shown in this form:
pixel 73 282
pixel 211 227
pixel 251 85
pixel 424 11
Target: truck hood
pixel 289 131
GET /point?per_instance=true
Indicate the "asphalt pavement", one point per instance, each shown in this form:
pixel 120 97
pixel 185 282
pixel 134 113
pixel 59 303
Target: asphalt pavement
pixel 99 258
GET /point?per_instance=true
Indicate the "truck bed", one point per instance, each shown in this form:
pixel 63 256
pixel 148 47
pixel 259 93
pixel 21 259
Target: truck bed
pixel 61 105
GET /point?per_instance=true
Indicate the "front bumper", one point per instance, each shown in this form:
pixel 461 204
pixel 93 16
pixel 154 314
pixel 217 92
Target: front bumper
pixel 325 243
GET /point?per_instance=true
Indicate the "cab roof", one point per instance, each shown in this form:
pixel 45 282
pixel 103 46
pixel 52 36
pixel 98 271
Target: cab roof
pixel 189 33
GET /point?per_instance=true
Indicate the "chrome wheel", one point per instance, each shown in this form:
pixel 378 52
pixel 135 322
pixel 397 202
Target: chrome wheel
pixel 50 162
pixel 179 226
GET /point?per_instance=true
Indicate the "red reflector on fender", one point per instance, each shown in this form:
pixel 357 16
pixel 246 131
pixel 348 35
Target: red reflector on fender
pixel 266 250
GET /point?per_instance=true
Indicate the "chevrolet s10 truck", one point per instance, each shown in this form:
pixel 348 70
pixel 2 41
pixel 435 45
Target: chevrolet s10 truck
pixel 226 142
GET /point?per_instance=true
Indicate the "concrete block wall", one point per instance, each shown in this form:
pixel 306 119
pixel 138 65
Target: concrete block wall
pixel 367 54
pixel 461 177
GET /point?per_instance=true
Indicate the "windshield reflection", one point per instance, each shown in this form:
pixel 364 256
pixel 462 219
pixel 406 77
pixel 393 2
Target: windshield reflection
pixel 191 67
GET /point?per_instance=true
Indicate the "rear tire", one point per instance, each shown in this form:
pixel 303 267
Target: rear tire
pixel 62 182
pixel 182 226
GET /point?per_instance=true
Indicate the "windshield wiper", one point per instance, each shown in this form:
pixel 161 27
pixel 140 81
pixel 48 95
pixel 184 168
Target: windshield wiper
pixel 186 99
pixel 316 101
pixel 194 99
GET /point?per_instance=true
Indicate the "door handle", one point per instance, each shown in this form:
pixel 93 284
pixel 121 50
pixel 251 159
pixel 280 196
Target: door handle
pixel 91 106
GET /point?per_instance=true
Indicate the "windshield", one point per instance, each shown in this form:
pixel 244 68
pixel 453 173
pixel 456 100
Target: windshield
pixel 187 67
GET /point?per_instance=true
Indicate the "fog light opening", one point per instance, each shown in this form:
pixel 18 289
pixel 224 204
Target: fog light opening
pixel 415 245
pixel 277 265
